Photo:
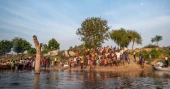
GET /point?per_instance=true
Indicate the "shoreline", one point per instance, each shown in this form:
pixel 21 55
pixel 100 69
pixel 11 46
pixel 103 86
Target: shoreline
pixel 107 68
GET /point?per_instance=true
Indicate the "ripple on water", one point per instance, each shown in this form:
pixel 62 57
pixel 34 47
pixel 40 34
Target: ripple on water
pixel 82 80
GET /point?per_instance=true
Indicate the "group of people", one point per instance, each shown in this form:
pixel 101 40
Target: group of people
pixel 22 64
pixel 106 56
pixel 45 62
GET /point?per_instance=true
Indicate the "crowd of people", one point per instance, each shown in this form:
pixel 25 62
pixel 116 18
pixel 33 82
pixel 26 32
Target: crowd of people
pixel 106 56
pixel 26 63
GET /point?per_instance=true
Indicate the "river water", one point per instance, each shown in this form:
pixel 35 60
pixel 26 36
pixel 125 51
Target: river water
pixel 70 79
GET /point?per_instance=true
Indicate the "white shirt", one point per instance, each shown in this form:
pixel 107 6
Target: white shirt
pixel 118 54
pixel 75 59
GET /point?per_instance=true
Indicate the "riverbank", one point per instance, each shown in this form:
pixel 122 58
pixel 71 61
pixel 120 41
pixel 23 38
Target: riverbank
pixel 127 67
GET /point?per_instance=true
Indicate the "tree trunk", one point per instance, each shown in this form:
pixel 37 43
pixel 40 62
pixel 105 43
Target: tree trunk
pixel 157 43
pixel 38 51
pixel 133 44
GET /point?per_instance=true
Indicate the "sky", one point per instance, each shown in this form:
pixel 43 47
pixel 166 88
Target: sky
pixel 60 19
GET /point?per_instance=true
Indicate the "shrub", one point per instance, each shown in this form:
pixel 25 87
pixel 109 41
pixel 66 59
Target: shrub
pixel 150 46
pixel 154 53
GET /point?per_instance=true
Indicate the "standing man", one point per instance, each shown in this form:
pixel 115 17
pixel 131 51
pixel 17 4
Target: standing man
pixel 55 61
pixel 150 57
pixel 123 58
pixel 134 56
pixel 127 56
pixel 75 61
pixel 166 62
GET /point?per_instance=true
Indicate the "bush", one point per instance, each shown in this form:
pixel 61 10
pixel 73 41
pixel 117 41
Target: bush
pixel 150 46
pixel 154 53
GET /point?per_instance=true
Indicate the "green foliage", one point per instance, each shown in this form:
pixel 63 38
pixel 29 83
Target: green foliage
pixel 44 49
pixel 93 32
pixel 134 37
pixel 5 46
pixel 20 45
pixel 123 37
pixel 53 44
pixel 32 51
pixel 154 53
pixel 150 46
pixel 156 39
pixel 70 49
pixel 120 37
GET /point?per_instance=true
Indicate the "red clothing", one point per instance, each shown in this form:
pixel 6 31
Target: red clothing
pixel 45 61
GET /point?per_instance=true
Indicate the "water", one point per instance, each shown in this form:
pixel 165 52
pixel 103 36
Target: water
pixel 84 80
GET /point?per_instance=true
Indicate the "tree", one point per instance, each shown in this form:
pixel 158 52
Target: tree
pixel 134 37
pixel 45 48
pixel 70 48
pixel 156 39
pixel 93 32
pixel 53 44
pixel 120 37
pixel 123 37
pixel 5 46
pixel 20 45
pixel 32 51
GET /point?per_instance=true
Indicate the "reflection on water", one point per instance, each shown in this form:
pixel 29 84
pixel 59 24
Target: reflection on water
pixel 84 80
pixel 36 81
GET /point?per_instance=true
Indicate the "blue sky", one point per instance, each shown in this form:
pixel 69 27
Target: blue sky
pixel 60 19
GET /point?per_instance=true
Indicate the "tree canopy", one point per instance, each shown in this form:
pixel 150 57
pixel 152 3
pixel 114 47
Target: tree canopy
pixel 5 46
pixel 156 39
pixel 53 44
pixel 123 37
pixel 32 51
pixel 20 45
pixel 93 32
pixel 120 37
pixel 134 37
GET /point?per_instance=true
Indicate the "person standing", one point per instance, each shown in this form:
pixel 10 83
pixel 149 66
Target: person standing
pixel 48 62
pixel 134 56
pixel 45 63
pixel 82 63
pixel 123 58
pixel 128 58
pixel 166 62
pixel 143 61
pixel 75 61
pixel 12 65
pixel 118 58
pixel 55 61
pixel 150 57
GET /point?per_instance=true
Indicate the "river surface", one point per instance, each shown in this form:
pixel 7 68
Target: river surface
pixel 70 79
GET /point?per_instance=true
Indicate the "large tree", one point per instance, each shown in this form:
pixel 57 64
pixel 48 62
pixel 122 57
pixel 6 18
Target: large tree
pixel 93 32
pixel 134 37
pixel 123 37
pixel 5 46
pixel 53 44
pixel 156 39
pixel 20 45
pixel 120 37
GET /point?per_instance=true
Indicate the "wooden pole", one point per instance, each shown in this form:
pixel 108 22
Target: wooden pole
pixel 38 53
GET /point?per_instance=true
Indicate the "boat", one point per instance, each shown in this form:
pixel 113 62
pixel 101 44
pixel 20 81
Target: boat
pixel 162 68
